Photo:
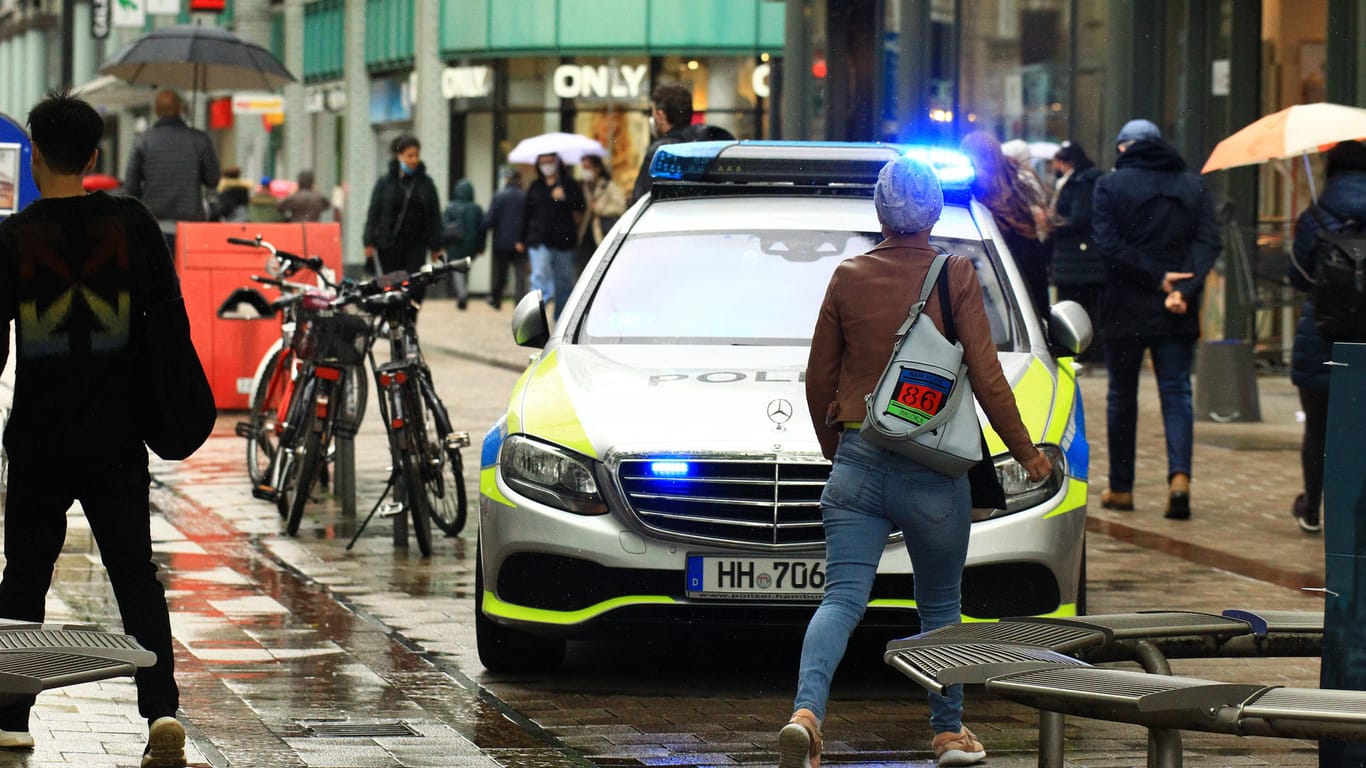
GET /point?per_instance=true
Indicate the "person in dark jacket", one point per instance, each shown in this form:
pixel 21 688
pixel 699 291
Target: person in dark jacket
pixel 1344 197
pixel 404 219
pixel 550 229
pixel 1078 271
pixel 464 215
pixel 1154 224
pixel 504 219
pixel 73 433
pixel 170 168
pixel 670 120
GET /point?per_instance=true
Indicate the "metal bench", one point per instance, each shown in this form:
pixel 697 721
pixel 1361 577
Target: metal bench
pixel 980 652
pixel 1167 705
pixel 36 657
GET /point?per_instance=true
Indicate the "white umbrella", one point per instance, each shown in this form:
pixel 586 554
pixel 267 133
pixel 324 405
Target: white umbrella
pixel 571 147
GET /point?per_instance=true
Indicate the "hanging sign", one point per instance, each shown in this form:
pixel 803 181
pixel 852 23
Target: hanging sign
pixel 100 18
pixel 129 14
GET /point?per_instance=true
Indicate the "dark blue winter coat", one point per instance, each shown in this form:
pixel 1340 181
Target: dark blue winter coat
pixel 1344 197
pixel 1076 261
pixel 1152 216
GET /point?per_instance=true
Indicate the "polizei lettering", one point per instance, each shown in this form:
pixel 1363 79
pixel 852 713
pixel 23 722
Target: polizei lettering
pixel 731 377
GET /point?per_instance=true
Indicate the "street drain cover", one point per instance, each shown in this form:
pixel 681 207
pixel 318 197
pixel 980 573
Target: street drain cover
pixel 341 729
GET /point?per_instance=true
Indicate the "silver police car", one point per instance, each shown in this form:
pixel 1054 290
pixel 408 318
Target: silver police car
pixel 657 463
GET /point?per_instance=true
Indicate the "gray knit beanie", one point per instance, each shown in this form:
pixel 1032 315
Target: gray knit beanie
pixel 908 196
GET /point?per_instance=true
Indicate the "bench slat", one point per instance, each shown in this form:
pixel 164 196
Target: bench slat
pixel 936 667
pixel 1062 638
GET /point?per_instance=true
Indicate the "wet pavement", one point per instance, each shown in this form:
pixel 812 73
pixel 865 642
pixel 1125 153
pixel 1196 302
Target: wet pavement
pixel 297 652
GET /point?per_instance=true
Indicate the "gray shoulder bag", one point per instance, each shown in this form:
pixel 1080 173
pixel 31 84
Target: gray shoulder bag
pixel 922 406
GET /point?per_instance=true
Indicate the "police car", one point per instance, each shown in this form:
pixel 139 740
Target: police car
pixel 657 462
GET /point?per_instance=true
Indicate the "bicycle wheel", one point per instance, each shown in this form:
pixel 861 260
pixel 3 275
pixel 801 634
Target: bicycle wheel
pixel 268 403
pixel 414 461
pixel 315 438
pixel 443 472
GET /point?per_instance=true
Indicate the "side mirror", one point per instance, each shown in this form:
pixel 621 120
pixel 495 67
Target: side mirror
pixel 1069 327
pixel 529 326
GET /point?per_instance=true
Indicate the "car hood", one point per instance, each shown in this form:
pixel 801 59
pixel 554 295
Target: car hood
pixel 685 399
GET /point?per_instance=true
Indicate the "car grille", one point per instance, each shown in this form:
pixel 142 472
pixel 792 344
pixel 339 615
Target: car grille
pixel 745 502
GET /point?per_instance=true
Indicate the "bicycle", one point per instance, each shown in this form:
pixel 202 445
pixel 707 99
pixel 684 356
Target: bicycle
pixel 300 382
pixel 427 465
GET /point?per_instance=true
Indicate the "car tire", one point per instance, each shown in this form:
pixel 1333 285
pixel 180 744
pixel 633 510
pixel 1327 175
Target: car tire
pixel 504 650
pixel 1081 580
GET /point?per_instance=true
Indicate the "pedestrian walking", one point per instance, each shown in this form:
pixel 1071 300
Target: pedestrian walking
pixel 1153 221
pixel 305 203
pixel 73 432
pixel 504 219
pixel 1078 271
pixel 606 202
pixel 669 121
pixel 230 203
pixel 462 235
pixel 170 168
pixel 1021 214
pixel 550 229
pixel 1343 200
pixel 871 491
pixel 403 223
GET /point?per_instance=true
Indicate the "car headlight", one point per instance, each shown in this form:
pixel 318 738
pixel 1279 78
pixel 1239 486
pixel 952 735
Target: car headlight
pixel 551 475
pixel 1021 492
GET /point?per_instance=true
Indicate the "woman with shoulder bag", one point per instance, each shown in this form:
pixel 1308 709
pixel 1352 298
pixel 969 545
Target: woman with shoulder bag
pixel 871 491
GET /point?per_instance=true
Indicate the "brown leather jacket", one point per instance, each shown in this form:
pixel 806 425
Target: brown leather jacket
pixel 868 299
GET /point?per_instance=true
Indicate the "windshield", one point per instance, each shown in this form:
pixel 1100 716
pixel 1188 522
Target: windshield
pixel 758 287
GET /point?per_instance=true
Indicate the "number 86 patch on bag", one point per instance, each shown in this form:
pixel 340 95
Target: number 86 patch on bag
pixel 919 395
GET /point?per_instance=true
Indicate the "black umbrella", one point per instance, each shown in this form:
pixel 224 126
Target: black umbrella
pixel 197 58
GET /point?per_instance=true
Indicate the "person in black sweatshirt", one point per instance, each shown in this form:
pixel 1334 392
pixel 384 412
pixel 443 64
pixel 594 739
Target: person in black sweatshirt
pixel 76 272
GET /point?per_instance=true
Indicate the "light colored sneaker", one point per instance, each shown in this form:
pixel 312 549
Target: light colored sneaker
pixel 799 742
pixel 165 744
pixel 960 748
pixel 16 740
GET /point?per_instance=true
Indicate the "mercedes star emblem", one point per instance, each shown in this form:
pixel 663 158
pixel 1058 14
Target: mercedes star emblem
pixel 779 411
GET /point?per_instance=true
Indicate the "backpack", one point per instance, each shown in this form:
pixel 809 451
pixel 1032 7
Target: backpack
pixel 453 229
pixel 1339 280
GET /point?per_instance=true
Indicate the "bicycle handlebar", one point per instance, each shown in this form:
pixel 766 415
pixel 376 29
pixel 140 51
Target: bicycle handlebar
pixel 400 282
pixel 293 261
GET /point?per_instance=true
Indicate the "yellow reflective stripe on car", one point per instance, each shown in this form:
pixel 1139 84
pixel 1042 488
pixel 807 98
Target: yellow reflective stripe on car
pixel 488 486
pixel 547 410
pixel 518 392
pixel 1065 610
pixel 1065 395
pixel 495 607
pixel 1074 500
pixel 1034 397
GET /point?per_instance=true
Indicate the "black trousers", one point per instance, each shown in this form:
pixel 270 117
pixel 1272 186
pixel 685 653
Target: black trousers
pixel 114 497
pixel 407 257
pixel 1315 406
pixel 504 258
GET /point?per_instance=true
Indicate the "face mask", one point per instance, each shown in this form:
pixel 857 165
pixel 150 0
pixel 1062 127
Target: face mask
pixel 408 170
pixel 549 169
pixel 588 176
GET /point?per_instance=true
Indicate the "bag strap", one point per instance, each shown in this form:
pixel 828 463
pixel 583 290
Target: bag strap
pixel 930 279
pixel 946 307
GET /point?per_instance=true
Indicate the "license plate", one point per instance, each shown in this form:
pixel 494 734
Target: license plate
pixel 756 578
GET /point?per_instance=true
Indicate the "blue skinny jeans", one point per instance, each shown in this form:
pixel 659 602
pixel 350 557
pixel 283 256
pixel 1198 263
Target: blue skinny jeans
pixel 1172 366
pixel 552 273
pixel 870 493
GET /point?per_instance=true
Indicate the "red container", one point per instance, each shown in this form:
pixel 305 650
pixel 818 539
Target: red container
pixel 210 269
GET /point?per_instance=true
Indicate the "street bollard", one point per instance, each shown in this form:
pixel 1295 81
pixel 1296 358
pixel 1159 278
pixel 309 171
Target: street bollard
pixel 1344 537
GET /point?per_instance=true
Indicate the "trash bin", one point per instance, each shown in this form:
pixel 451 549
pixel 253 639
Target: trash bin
pixel 210 269
pixel 1226 382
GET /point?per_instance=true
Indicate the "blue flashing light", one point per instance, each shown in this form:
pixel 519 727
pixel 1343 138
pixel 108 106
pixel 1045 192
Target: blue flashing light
pixel 953 168
pixel 670 468
pixel 688 160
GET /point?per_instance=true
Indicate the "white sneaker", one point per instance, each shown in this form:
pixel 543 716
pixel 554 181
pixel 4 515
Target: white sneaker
pixel 165 744
pixel 16 740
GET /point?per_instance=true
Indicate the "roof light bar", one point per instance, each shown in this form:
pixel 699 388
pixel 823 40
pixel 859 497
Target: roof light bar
pixel 800 162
